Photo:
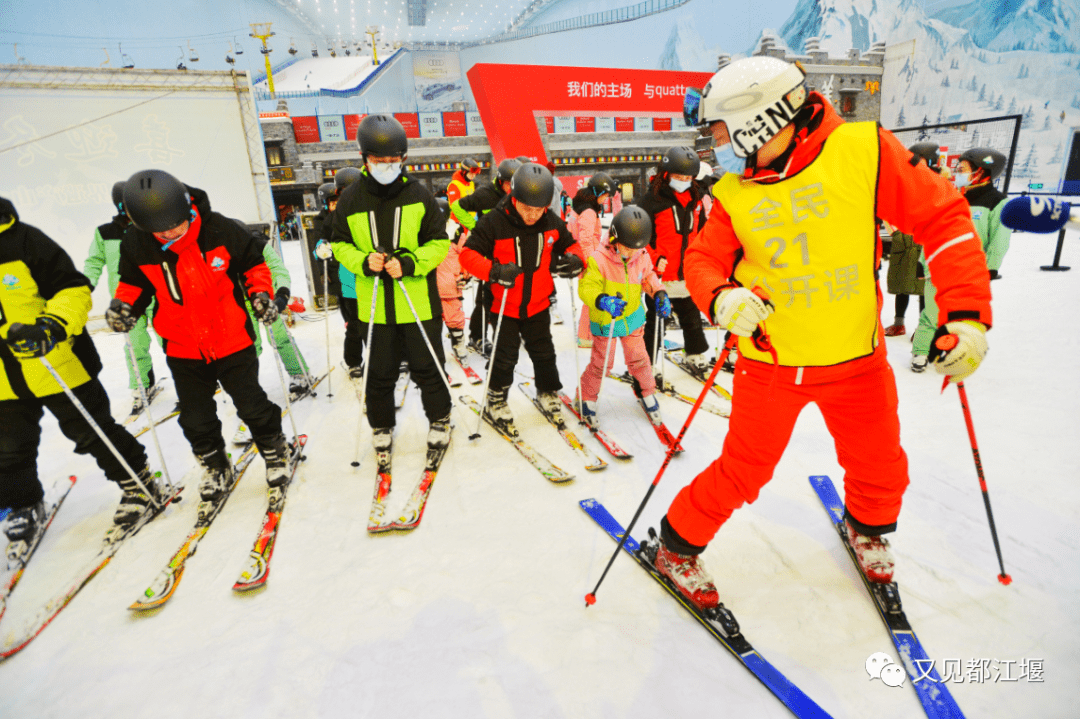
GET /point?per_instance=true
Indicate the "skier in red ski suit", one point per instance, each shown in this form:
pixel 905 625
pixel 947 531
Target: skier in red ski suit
pixel 794 241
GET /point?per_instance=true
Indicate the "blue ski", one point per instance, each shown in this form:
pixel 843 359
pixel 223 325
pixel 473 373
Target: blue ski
pixel 934 695
pixel 720 622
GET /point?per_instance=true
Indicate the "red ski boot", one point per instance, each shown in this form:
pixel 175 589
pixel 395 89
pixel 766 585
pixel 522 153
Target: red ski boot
pixel 688 574
pixel 873 554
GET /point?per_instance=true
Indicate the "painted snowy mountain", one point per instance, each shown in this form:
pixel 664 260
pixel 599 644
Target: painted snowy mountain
pixel 840 25
pixel 1003 25
pixel 685 49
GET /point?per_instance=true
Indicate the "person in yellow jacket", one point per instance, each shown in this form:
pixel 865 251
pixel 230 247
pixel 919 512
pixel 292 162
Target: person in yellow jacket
pixel 44 305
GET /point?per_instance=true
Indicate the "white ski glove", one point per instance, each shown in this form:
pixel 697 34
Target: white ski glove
pixel 739 311
pixel 323 250
pixel 451 228
pixel 958 348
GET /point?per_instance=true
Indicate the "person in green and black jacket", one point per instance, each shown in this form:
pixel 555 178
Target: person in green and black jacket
pixel 44 305
pixel 975 174
pixel 467 211
pixel 388 226
pixel 105 254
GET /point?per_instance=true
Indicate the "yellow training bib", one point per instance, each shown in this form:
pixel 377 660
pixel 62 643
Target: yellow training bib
pixel 809 243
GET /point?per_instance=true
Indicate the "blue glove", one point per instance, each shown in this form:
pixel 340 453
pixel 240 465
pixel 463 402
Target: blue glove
pixel 663 304
pixel 614 306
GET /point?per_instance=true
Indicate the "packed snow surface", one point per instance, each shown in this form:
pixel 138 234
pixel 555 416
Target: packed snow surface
pixel 480 611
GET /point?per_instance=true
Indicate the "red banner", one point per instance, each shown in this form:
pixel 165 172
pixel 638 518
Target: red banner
pixel 306 129
pixel 351 123
pixel 661 124
pixel 584 124
pixel 454 124
pixel 508 113
pixel 624 124
pixel 410 121
pixel 549 125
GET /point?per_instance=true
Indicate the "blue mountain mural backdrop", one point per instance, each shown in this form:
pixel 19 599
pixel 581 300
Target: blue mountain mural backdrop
pixel 972 61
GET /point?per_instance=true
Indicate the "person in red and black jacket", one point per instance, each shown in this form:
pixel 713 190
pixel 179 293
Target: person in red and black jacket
pixel 517 246
pixel 674 204
pixel 199 265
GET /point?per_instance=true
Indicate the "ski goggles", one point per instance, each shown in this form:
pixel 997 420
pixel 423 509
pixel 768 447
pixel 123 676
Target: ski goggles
pixel 691 108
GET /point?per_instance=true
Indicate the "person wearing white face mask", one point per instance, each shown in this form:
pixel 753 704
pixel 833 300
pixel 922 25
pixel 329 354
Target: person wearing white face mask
pixel 674 206
pixel 389 230
pixel 975 174
pixel 793 244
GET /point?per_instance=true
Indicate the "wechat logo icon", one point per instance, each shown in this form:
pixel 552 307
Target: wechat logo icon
pixel 881 666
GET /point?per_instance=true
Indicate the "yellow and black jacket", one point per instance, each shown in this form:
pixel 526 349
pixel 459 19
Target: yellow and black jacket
pixel 38 277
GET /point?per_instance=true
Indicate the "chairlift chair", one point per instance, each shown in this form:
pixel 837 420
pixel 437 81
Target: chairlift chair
pixel 330 47
pixel 107 58
pixel 239 47
pixel 292 47
pixel 194 57
pixel 125 60
pixel 314 50
pixel 180 60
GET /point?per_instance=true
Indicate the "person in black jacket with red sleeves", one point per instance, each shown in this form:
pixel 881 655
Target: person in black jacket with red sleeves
pixel 674 204
pixel 199 265
pixel 517 247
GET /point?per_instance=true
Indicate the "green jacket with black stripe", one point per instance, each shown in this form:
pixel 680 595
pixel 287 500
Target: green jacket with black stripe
pixel 38 278
pixel 401 219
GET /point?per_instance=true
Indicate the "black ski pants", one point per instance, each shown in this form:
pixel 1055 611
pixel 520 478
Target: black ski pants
pixel 689 319
pixel 238 373
pixel 390 346
pixel 476 321
pixel 355 332
pixel 21 436
pixel 536 332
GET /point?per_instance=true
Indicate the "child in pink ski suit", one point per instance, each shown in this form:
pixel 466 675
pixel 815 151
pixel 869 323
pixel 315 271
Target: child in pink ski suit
pixel 586 229
pixel 615 277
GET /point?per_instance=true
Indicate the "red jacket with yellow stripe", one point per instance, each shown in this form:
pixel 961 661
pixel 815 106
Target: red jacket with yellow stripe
pixel 502 235
pixel 798 270
pixel 200 282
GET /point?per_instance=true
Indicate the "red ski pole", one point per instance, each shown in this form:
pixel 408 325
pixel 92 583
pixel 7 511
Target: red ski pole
pixel 590 598
pixel 945 345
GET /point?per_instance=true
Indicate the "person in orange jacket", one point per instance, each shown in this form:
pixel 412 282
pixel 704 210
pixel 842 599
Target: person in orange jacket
pixel 788 261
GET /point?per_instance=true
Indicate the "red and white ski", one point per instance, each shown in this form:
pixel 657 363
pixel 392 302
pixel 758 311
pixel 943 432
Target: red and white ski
pixel 602 437
pixel 257 570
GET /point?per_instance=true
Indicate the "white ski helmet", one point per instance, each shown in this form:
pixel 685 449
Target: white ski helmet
pixel 756 97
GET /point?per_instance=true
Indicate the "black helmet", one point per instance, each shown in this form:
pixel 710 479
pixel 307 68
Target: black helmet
pixel 327 191
pixel 632 227
pixel 602 184
pixel 681 161
pixel 506 169
pixel 382 136
pixel 984 158
pixel 118 196
pixel 927 151
pixel 532 185
pixel 444 205
pixel 156 201
pixel 345 177
pixel 469 165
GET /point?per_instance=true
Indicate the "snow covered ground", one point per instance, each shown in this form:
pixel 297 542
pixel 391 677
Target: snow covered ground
pixel 325 73
pixel 479 613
